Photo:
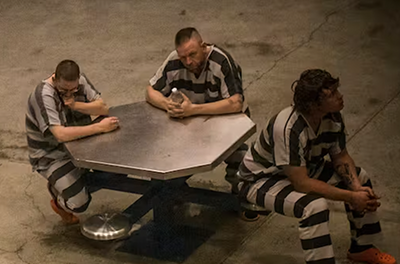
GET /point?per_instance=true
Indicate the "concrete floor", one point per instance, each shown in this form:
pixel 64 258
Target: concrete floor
pixel 120 44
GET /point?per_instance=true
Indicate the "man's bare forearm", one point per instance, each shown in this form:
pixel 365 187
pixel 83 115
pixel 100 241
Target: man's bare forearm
pixel 97 107
pixel 65 134
pixel 315 186
pixel 303 183
pixel 343 170
pixel 156 98
pixel 346 169
pixel 233 104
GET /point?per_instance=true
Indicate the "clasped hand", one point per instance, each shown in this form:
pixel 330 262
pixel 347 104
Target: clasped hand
pixel 177 110
pixel 364 199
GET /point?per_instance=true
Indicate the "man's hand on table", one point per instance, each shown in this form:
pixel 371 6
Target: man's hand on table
pixel 108 124
pixel 177 110
pixel 173 109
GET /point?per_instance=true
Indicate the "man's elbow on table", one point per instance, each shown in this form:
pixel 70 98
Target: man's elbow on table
pixel 59 133
pixel 236 103
pixel 151 94
pixel 147 94
pixel 156 98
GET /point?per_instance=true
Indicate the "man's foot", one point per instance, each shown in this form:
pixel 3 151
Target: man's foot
pixel 66 217
pixel 372 256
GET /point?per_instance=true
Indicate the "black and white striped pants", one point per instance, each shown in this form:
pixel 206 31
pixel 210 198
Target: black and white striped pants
pixel 278 195
pixel 69 186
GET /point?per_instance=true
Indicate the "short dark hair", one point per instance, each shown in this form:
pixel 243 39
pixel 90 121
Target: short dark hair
pixel 67 70
pixel 184 35
pixel 308 90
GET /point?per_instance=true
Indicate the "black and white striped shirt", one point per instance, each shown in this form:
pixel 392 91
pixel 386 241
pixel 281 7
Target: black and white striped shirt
pixel 221 78
pixel 288 139
pixel 45 108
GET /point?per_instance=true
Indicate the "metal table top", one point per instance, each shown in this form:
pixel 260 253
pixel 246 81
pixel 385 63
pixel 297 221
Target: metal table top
pixel 149 143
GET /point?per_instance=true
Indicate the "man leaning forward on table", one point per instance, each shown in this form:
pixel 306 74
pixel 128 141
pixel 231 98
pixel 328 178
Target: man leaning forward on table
pixel 285 171
pixel 59 110
pixel 209 79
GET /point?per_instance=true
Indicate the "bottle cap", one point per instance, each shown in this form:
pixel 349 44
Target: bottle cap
pixel 174 90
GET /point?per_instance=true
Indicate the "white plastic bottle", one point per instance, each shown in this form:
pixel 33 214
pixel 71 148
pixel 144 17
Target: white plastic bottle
pixel 176 96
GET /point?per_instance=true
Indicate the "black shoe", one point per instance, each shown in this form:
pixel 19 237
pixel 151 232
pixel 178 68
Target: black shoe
pixel 234 181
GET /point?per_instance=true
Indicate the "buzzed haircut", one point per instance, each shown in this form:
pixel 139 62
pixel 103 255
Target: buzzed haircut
pixel 185 34
pixel 67 70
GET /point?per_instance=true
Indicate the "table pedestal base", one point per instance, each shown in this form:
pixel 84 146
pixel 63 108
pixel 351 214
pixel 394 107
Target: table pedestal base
pixel 165 242
pixel 166 237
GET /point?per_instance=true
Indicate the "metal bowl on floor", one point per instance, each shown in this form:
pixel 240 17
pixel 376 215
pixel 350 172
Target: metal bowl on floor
pixel 106 227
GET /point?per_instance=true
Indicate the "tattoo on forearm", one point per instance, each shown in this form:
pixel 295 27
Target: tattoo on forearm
pixel 344 171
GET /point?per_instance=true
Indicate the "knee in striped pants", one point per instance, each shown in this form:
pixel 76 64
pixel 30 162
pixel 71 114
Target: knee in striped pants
pixel 67 181
pixel 314 230
pixel 365 228
pixel 278 195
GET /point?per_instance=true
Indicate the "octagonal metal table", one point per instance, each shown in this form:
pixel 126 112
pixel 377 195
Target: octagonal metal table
pixel 168 151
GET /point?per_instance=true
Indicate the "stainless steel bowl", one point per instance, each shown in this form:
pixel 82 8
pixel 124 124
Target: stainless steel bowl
pixel 106 227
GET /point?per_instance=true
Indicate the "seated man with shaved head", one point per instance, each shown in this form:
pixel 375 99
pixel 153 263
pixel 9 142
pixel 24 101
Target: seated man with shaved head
pixel 59 110
pixel 209 79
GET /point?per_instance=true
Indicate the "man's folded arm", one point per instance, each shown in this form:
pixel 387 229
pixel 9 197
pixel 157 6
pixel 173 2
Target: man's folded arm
pixel 96 107
pixel 156 98
pixel 298 176
pixel 65 134
pixel 233 104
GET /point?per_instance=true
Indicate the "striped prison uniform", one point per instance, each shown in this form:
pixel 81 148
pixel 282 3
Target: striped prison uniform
pixel 49 157
pixel 220 79
pixel 288 139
